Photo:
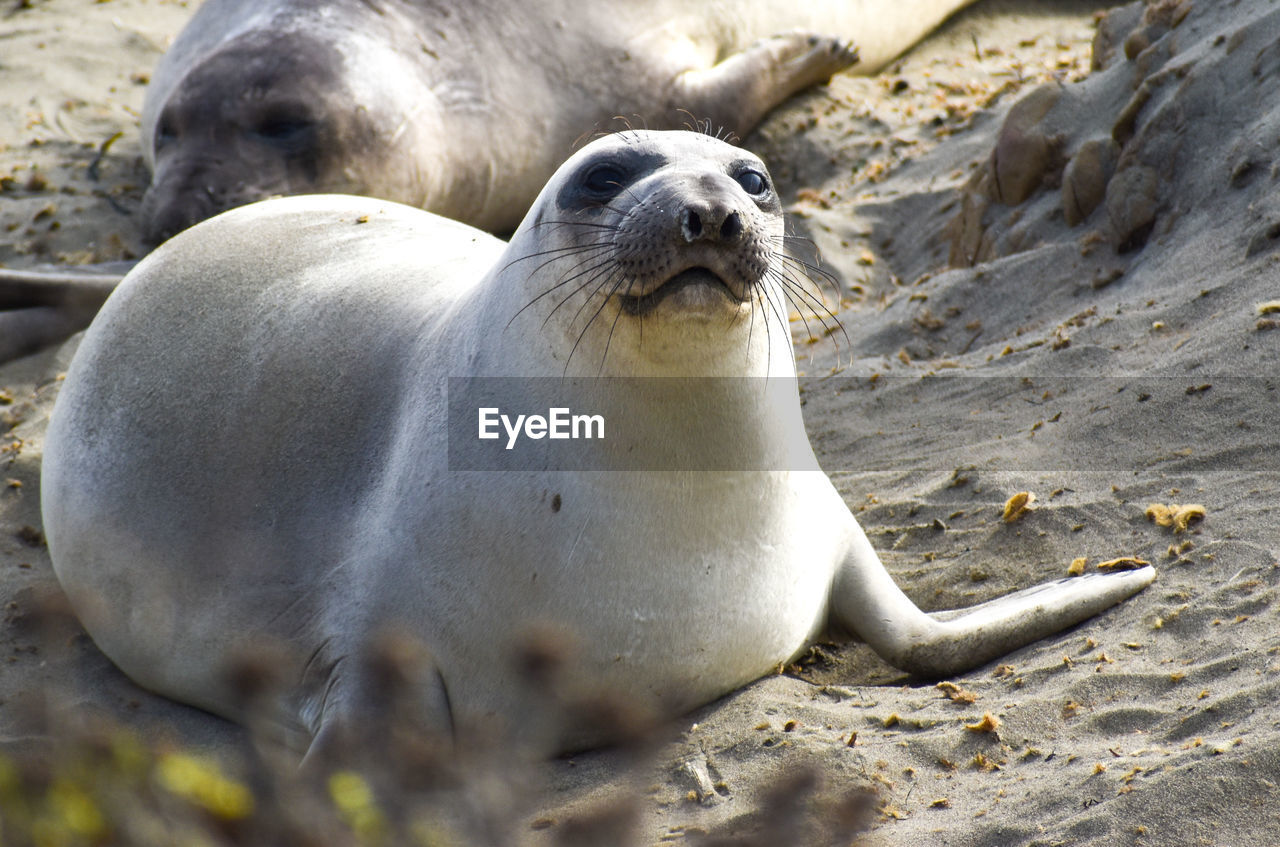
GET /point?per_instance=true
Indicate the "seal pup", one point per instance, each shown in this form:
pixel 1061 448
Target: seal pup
pixel 270 460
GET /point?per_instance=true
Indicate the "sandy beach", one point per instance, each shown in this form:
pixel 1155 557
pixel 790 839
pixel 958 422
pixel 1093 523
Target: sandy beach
pixel 1055 233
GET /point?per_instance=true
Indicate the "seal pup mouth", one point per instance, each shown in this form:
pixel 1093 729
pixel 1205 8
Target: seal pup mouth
pixel 698 285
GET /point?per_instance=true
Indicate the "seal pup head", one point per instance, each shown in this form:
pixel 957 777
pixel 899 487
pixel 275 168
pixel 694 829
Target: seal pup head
pixel 659 247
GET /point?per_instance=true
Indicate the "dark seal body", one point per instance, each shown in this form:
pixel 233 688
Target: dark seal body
pixel 466 107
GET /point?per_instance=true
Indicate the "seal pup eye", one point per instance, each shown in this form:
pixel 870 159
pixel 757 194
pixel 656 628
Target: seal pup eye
pixel 752 181
pixel 604 180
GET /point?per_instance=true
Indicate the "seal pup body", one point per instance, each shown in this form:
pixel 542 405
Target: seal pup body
pixel 466 107
pixel 270 460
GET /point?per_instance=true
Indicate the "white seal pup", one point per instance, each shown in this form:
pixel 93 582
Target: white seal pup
pixel 466 107
pixel 252 443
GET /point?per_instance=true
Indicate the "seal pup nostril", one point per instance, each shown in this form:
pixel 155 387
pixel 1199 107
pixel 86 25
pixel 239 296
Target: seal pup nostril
pixel 731 229
pixel 691 225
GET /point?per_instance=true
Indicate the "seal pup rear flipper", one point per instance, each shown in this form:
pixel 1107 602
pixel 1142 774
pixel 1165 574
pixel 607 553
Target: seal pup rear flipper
pixel 866 601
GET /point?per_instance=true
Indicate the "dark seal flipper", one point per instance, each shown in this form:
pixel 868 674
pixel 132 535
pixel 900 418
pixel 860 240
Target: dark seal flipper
pixel 39 308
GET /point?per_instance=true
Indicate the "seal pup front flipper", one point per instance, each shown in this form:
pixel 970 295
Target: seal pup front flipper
pixel 866 601
pixel 361 702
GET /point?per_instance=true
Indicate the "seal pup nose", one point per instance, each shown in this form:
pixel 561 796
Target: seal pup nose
pixel 715 224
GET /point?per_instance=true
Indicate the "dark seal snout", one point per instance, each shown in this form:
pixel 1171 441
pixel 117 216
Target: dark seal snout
pixel 181 195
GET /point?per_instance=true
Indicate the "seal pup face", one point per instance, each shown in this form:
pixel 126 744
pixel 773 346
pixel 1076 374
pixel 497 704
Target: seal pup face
pixel 690 223
pixel 263 115
pixel 662 244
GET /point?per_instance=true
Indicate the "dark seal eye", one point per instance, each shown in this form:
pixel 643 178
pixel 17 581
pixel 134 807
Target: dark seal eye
pixel 604 180
pixel 283 129
pixel 166 133
pixel 752 182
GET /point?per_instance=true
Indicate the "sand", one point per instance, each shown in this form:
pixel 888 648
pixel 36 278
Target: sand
pixel 988 347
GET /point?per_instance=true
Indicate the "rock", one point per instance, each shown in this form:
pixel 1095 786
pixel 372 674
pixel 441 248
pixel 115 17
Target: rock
pixel 1084 181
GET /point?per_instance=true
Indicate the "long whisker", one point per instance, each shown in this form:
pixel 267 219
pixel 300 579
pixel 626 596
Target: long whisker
pixel 784 284
pixel 751 329
pixel 556 253
pixel 595 250
pixel 596 225
pixel 604 301
pixel 792 272
pixel 567 249
pixel 798 276
pixel 826 282
pixel 608 342
pixel 603 278
pixel 768 333
pixel 796 267
pixel 788 243
pixel 775 308
pixel 598 271
pixel 804 301
pixel 827 319
pixel 829 327
pixel 584 224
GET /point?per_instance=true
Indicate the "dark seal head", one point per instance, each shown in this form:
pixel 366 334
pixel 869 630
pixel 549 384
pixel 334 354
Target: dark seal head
pixel 245 123
pixel 277 111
